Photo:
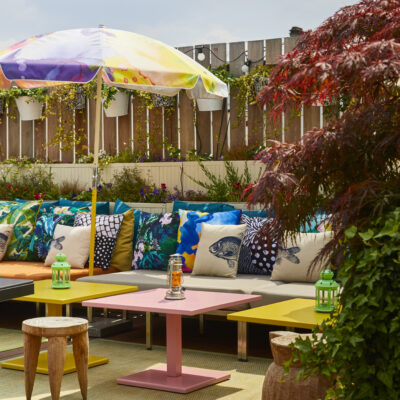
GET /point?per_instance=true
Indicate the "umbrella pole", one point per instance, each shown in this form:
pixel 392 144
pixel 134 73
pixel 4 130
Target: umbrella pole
pixel 95 180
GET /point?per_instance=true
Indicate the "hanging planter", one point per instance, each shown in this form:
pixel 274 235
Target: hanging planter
pixel 79 99
pixel 210 104
pixel 29 108
pixel 162 101
pixel 118 105
pixel 260 83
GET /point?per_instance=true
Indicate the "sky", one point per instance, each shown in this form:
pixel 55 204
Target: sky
pixel 175 22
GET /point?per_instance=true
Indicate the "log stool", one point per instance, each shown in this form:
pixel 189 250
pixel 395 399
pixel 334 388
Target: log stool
pixel 56 329
pixel 277 385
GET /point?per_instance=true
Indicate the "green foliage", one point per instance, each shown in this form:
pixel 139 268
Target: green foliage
pixel 362 345
pixel 229 187
pixel 222 72
pixel 39 94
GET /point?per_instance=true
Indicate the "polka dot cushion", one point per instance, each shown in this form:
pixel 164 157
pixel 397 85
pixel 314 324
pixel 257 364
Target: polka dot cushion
pixel 107 230
pixel 256 256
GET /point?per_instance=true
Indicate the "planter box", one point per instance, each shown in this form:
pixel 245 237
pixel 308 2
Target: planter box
pixel 118 106
pixel 209 104
pixel 29 109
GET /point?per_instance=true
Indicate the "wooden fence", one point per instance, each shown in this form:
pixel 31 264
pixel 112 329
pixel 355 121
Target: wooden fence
pixel 149 131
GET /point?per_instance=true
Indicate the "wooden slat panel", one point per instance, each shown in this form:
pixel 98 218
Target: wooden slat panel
pixel 53 150
pixel 255 112
pixel 290 43
pixel 273 49
pixel 40 139
pixel 311 118
pixel 3 137
pixel 219 50
pixel 67 154
pixel 273 129
pixel 155 132
pixel 124 130
pixel 81 131
pixel 110 136
pixel 140 126
pixel 237 122
pixel 171 126
pixel 13 133
pixel 292 125
pixel 92 119
pixel 186 114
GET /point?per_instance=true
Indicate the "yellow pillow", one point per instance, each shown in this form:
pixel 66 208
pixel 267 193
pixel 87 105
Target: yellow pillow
pixel 122 254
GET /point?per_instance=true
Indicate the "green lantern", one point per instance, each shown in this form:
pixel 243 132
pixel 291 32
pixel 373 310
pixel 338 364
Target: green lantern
pixel 326 290
pixel 61 273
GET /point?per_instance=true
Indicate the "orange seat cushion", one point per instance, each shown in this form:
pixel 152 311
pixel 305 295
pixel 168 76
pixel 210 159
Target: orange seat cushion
pixel 36 271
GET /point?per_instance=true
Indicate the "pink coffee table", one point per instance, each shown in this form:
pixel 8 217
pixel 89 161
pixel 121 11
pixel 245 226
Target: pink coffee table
pixel 173 377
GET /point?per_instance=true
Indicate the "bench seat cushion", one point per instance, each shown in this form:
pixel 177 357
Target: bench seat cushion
pixel 36 271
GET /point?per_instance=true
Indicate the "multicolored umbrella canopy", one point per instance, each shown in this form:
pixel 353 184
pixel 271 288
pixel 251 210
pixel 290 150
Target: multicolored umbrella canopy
pixel 119 58
pixel 127 59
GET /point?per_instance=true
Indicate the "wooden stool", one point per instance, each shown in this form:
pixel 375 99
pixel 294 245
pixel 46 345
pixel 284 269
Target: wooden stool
pixel 56 329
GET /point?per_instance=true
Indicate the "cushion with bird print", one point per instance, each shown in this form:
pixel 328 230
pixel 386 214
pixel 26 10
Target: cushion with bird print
pixel 218 250
pixel 190 229
pixel 156 241
pixel 6 230
pixel 72 241
pixel 107 230
pixel 257 255
pixel 294 258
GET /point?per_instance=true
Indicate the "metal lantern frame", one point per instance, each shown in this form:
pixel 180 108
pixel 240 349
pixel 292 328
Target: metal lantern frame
pixel 61 273
pixel 326 293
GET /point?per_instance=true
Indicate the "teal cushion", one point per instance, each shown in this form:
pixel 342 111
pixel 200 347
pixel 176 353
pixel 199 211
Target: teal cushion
pixel 23 216
pixel 255 213
pixel 202 207
pixel 102 207
pixel 45 205
pixel 318 224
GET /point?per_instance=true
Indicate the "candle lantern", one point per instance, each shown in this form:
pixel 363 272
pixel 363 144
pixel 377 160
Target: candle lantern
pixel 326 290
pixel 175 278
pixel 61 273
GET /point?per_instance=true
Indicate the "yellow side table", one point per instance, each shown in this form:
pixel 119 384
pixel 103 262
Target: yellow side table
pixel 54 299
pixel 295 313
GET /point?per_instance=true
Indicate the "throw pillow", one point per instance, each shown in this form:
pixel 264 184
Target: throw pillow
pixel 122 255
pixel 74 242
pixel 190 229
pixel 294 259
pixel 255 213
pixel 320 223
pixel 6 231
pixel 102 207
pixel 203 207
pixel 43 234
pixel 69 210
pixel 156 241
pixel 45 205
pixel 23 217
pixel 256 256
pixel 218 250
pixel 107 229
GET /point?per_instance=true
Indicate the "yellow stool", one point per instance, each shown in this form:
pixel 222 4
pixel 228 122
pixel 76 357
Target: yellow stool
pixel 56 329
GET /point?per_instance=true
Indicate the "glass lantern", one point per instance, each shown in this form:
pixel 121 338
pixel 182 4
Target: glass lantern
pixel 175 278
pixel 326 291
pixel 61 273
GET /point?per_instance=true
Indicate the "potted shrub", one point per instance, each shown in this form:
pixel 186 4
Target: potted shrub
pixel 29 102
pixel 162 101
pixel 115 101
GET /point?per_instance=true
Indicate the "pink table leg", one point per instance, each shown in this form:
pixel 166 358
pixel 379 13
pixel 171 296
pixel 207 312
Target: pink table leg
pixel 172 377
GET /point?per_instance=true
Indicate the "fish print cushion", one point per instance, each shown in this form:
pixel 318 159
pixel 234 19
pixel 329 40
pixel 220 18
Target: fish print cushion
pixel 190 230
pixel 156 241
pixel 257 256
pixel 43 233
pixel 294 258
pixel 218 250
pixel 23 217
pixel 74 242
pixel 107 230
pixel 6 231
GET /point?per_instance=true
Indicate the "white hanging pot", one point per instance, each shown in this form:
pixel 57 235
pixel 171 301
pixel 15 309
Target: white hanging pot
pixel 210 104
pixel 118 106
pixel 29 109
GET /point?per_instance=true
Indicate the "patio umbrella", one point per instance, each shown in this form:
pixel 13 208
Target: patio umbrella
pixel 119 58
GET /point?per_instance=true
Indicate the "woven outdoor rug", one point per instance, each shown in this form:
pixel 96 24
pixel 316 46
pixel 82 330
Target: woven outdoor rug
pixel 126 358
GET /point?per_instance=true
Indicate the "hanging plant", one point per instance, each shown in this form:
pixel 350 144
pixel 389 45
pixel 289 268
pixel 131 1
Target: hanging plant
pixel 162 101
pixel 80 98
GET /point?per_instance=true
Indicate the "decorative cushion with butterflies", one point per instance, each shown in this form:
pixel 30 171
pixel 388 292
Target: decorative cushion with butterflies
pixel 294 258
pixel 74 242
pixel 6 230
pixel 256 256
pixel 107 230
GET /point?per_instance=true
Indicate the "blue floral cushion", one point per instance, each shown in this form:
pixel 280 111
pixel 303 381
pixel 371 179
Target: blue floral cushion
pixel 102 207
pixel 203 207
pixel 23 217
pixel 190 229
pixel 156 241
pixel 320 223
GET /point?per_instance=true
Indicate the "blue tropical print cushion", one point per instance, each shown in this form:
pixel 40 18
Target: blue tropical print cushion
pixel 203 207
pixel 43 233
pixel 156 241
pixel 190 229
pixel 102 207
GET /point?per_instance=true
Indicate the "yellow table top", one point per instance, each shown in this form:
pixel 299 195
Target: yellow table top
pixel 297 313
pixel 78 291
